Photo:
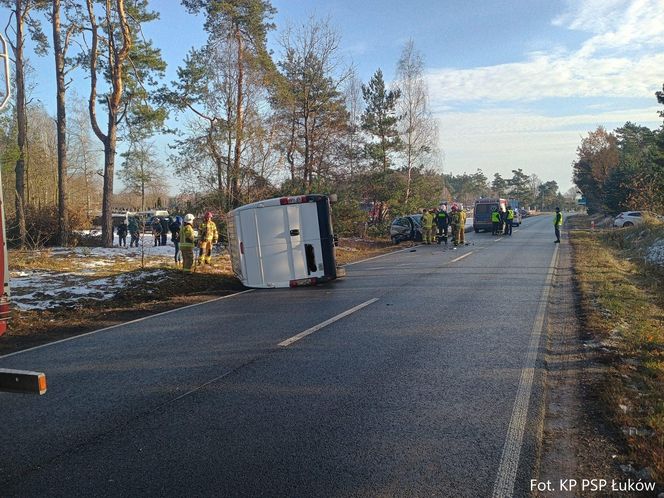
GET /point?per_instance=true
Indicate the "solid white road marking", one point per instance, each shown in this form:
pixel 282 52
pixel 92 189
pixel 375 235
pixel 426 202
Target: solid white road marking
pixel 509 462
pixel 315 328
pixel 125 323
pixel 461 257
pixel 499 238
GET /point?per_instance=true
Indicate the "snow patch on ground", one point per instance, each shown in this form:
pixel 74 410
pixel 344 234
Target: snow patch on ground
pixel 655 254
pixel 41 289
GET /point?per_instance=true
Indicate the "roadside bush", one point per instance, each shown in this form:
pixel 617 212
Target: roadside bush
pixel 42 226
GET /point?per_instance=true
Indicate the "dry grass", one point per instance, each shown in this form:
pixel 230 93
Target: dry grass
pixel 622 303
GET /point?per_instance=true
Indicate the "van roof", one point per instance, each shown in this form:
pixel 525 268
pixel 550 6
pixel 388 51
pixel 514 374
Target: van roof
pixel 281 201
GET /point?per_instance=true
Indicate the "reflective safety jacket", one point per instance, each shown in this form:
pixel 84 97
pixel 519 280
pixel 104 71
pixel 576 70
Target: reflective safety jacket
pixel 510 214
pixel 207 231
pixel 186 236
pixel 441 219
pixel 427 220
pixel 558 220
pixel 462 218
pixel 495 216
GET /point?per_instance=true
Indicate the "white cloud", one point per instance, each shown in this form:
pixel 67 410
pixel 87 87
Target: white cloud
pixel 543 75
pixel 623 58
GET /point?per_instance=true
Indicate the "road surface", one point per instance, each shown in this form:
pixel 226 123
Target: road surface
pixel 418 374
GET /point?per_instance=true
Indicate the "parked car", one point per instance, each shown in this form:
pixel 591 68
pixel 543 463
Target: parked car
pixel 628 219
pixel 406 228
pixel 631 218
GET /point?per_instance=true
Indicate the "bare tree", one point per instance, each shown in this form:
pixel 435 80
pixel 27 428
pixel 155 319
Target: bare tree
pixel 418 128
pixel 60 47
pixel 126 63
pixel 21 12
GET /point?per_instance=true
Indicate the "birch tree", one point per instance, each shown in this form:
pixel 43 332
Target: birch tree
pixel 418 129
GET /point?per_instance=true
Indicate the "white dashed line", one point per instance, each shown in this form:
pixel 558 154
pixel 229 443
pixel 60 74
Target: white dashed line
pixel 461 257
pixel 316 328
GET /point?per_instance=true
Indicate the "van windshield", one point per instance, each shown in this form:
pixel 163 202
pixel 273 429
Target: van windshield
pixel 484 208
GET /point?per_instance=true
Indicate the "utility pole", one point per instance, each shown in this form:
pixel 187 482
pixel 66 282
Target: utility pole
pixel 4 268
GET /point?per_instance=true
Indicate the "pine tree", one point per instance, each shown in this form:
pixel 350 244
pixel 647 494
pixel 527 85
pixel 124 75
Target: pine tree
pixel 380 120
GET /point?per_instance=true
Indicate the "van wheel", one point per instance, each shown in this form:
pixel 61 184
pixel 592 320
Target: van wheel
pixel 628 224
pixel 395 240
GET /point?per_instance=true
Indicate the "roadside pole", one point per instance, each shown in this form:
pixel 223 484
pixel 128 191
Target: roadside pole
pixel 4 267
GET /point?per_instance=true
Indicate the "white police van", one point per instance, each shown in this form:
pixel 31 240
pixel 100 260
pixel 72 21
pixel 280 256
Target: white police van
pixel 283 242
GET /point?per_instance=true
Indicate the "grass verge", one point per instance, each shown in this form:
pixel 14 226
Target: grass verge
pixel 622 309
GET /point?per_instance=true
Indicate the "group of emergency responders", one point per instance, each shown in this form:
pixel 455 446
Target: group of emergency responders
pixel 208 235
pixel 501 221
pixel 437 221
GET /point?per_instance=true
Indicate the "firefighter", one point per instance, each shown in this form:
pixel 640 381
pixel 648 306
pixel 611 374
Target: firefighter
pixel 557 222
pixel 207 236
pixel 495 221
pixel 461 234
pixel 442 220
pixel 454 222
pixel 509 219
pixel 427 226
pixel 187 243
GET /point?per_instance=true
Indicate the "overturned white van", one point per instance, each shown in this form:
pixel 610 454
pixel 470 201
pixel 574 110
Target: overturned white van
pixel 283 242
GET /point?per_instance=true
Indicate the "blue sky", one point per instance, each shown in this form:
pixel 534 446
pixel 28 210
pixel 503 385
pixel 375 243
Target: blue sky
pixel 513 84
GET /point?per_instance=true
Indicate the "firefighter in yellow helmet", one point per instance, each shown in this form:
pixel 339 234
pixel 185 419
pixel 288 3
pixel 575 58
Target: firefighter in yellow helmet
pixel 187 243
pixel 461 233
pixel 427 226
pixel 207 236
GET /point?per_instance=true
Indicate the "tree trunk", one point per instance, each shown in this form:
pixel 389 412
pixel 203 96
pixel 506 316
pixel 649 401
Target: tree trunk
pixel 21 117
pixel 107 192
pixel 239 122
pixel 63 221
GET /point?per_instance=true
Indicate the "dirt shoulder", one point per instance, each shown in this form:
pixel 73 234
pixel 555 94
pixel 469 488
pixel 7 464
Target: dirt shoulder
pixel 602 405
pixel 155 288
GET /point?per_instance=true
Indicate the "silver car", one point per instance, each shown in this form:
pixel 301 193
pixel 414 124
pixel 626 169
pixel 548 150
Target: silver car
pixel 406 228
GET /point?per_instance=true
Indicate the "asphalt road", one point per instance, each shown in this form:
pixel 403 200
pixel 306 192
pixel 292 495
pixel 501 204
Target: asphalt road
pixel 430 386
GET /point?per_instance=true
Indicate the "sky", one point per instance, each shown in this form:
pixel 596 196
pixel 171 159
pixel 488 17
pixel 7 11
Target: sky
pixel 512 84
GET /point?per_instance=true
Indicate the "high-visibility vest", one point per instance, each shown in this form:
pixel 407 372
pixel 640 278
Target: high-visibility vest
pixel 558 220
pixel 510 214
pixel 495 216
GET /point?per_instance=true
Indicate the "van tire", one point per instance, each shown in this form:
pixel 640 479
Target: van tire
pixel 395 240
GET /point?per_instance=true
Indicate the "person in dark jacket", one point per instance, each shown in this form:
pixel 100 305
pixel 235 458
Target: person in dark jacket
pixel 174 227
pixel 156 231
pixel 133 231
pixel 165 222
pixel 442 221
pixel 557 223
pixel 122 234
pixel 495 221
